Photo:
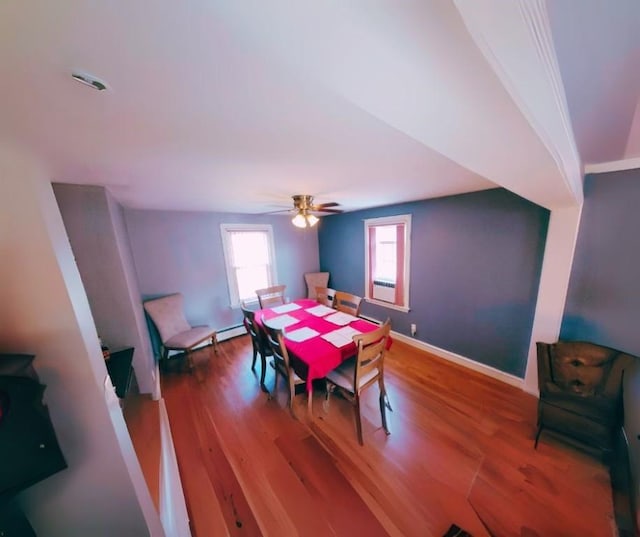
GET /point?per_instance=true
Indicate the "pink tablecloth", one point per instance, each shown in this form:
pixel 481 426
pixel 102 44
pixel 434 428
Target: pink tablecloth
pixel 315 357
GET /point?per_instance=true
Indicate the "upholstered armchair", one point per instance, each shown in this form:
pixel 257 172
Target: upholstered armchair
pixel 581 392
pixel 167 314
pixel 315 279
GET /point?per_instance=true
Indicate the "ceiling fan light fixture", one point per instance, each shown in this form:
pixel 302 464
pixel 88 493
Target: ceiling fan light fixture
pixel 299 220
pixel 304 219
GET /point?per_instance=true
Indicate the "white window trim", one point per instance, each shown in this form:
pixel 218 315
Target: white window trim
pixel 234 299
pixel 385 221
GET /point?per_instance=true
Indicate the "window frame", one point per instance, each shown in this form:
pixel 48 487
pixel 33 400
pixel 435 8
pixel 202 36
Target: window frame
pixel 404 219
pixel 232 282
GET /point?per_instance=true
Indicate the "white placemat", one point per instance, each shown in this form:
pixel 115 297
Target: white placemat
pixel 320 310
pixel 286 308
pixel 281 321
pixel 340 318
pixel 341 336
pixel 302 334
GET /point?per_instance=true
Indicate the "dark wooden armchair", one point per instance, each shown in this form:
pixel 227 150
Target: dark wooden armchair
pixel 581 392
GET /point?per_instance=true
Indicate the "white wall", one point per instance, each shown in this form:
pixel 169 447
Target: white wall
pixel 45 312
pixel 96 230
pixel 146 368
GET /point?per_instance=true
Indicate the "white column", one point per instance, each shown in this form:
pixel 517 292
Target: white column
pixel 554 282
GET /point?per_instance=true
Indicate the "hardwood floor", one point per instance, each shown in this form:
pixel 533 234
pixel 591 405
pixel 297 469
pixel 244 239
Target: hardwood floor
pixel 460 451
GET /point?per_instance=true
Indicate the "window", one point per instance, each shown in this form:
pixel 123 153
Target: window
pixel 387 248
pixel 250 259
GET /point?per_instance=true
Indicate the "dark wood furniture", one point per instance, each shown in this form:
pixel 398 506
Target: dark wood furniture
pixel 282 364
pixel 258 342
pixel 581 392
pixel 119 368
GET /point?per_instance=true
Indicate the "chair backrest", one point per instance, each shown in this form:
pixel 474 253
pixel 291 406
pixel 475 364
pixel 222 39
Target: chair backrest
pixel 370 359
pixel 271 296
pixel 275 340
pixel 347 302
pixel 315 280
pixel 581 368
pixel 325 295
pixel 167 313
pixel 249 321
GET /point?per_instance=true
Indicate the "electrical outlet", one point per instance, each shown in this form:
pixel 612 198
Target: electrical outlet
pixel 413 329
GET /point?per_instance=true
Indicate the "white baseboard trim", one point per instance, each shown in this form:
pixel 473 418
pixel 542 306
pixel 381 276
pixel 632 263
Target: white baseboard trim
pixel 173 508
pixel 492 372
pixel 228 333
pixel 613 166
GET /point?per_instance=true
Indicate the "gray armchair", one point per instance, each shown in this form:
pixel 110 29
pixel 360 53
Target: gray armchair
pixel 167 314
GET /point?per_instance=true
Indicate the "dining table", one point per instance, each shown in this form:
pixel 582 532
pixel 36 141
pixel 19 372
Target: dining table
pixel 318 338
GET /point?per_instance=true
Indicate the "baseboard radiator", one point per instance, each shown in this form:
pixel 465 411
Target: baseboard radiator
pixel 231 331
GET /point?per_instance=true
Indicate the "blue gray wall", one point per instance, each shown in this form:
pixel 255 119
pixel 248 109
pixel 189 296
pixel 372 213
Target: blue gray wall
pixel 475 269
pixel 603 302
pixel 177 251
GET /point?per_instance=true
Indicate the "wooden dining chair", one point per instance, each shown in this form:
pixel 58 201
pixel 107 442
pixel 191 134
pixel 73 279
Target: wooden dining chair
pixel 258 342
pixel 282 363
pixel 347 302
pixel 325 295
pixel 271 296
pixel 356 374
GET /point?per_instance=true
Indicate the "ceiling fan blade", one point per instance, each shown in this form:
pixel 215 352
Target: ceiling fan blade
pixel 321 210
pixel 278 211
pixel 328 204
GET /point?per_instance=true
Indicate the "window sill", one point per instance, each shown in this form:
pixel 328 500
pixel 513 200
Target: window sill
pixel 387 305
pixel 251 303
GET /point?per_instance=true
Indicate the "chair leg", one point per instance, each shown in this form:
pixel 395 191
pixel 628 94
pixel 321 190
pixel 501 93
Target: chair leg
pixel 255 355
pixel 214 342
pixel 263 363
pixel 383 413
pixel 292 393
pixel 328 387
pixel 383 393
pixel 358 419
pixel 275 380
pixel 535 445
pixel 164 359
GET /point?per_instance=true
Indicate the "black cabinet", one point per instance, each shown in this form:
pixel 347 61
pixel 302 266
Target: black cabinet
pixel 119 367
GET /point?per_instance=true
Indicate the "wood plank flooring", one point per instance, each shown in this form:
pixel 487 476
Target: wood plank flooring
pixel 460 451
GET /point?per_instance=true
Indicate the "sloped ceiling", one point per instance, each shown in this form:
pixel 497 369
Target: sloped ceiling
pixel 236 106
pixel 598 48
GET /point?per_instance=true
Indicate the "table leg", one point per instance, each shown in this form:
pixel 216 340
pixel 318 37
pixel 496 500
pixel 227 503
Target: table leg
pixel 310 403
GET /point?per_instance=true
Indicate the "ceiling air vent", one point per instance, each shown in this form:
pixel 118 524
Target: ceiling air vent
pixel 90 80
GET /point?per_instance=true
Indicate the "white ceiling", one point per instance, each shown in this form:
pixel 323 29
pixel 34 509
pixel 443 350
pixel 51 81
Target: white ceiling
pixel 237 105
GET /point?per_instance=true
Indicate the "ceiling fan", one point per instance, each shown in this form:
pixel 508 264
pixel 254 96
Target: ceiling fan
pixel 303 207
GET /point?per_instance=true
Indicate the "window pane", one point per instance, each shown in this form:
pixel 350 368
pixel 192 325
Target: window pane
pixel 387 260
pixel 385 263
pixel 386 233
pixel 249 248
pixel 251 278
